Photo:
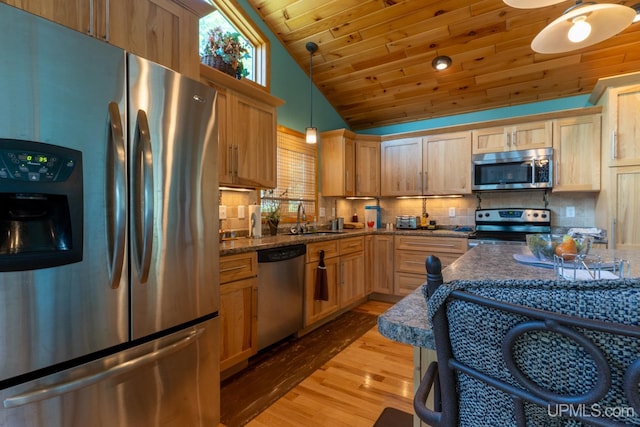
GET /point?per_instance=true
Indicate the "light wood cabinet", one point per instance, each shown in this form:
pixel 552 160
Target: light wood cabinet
pixel 160 30
pixel 369 262
pixel 383 264
pixel 446 162
pixel 238 308
pixel 515 137
pixel 316 310
pixel 625 222
pixel 367 166
pixel 433 165
pixel 576 143
pixel 410 254
pixel 401 167
pixel 345 261
pixel 337 163
pixel 624 126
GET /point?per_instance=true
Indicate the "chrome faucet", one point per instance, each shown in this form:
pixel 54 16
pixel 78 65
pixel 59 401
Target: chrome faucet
pixel 300 227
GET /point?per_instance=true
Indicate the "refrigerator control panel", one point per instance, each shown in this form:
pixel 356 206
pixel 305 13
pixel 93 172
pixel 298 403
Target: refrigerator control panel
pixel 33 166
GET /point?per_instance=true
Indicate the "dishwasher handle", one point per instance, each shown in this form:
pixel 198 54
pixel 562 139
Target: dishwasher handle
pixel 281 253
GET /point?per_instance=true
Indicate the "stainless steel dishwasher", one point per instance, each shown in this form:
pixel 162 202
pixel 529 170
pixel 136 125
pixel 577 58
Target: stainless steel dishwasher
pixel 280 293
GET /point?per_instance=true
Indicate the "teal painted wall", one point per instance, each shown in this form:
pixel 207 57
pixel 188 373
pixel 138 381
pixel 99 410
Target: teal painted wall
pixel 291 84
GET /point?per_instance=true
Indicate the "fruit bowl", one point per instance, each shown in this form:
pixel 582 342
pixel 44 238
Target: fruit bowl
pixel 545 246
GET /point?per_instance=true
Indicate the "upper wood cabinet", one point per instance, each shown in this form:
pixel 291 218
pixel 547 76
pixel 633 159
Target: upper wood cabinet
pixel 247 132
pixel 433 165
pixel 367 165
pixel 515 137
pixel 576 143
pixel 337 163
pixel 623 126
pixel 160 30
pixel 401 167
pixel 446 162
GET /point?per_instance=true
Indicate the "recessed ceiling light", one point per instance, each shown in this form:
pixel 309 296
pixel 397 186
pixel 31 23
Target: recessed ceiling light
pixel 441 62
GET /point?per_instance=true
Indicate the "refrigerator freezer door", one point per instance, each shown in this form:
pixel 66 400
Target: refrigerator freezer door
pixel 56 85
pixel 170 382
pixel 174 196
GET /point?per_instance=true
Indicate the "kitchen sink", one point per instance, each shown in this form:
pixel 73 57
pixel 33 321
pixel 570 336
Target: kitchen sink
pixel 319 233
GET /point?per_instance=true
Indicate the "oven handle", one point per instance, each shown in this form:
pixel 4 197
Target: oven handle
pixel 55 390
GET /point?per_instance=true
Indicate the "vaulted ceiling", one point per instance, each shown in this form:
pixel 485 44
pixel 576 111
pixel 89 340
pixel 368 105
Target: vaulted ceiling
pixel 374 57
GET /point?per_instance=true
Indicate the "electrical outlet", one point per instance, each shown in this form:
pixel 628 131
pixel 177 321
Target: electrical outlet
pixel 222 212
pixel 323 212
pixel 571 211
pixel 452 212
pixel 240 212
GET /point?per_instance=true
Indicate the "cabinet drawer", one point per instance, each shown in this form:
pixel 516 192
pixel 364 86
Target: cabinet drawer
pixel 431 244
pixel 405 283
pixel 414 261
pixel 350 245
pixel 239 266
pixel 330 248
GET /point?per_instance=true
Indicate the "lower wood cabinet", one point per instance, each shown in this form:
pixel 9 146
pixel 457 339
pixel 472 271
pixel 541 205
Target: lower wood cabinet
pixel 344 261
pixel 238 308
pixel 411 253
pixel 382 266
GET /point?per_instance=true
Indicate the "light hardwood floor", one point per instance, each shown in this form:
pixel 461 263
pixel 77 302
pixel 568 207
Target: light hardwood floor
pixel 351 389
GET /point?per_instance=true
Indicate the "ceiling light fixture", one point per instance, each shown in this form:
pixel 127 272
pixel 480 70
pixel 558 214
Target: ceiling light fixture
pixel 636 8
pixel 311 134
pixel 531 4
pixel 583 25
pixel 441 62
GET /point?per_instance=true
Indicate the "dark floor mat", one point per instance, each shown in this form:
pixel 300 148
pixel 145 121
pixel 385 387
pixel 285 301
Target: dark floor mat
pixel 276 370
pixel 392 417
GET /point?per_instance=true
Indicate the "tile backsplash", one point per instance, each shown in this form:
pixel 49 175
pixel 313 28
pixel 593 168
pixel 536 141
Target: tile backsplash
pixel 583 205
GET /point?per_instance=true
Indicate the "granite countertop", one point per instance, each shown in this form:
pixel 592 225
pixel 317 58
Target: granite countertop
pixel 406 321
pixel 247 244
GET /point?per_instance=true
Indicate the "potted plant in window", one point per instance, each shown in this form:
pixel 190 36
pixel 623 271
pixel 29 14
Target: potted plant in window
pixel 272 207
pixel 225 51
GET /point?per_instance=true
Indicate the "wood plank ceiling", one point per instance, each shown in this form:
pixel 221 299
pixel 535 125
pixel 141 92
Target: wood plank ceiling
pixel 374 57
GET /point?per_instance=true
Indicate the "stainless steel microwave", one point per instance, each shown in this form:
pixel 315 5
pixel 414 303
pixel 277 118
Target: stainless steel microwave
pixel 518 170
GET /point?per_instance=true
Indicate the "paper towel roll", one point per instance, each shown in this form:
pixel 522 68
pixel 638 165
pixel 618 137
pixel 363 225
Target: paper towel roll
pixel 255 225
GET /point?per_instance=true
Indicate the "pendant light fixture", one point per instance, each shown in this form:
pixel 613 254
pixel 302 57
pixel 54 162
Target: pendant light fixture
pixel 582 25
pixel 311 134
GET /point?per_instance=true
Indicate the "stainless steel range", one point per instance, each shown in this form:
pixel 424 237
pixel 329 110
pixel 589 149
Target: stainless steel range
pixel 509 225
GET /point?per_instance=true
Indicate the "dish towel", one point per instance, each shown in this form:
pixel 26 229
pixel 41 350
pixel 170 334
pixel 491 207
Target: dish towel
pixel 321 291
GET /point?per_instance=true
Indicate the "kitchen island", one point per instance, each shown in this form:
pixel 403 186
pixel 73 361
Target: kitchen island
pixel 406 321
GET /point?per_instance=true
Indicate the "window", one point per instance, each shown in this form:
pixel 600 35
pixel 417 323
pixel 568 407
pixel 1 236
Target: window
pixel 230 17
pixel 297 174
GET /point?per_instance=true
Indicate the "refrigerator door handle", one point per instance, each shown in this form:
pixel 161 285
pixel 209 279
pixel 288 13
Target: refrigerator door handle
pixel 116 196
pixel 55 390
pixel 143 197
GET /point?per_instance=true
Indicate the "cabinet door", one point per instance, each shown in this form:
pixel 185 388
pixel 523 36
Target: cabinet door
pixel 383 264
pixel 252 131
pixel 337 164
pixel 225 149
pixel 75 14
pixel 527 136
pixel 351 285
pixel 490 140
pixel 576 143
pixel 625 126
pixel 315 310
pixel 447 163
pixel 625 221
pixel 401 167
pixel 159 30
pixel 238 337
pixel 367 168
pixel 369 263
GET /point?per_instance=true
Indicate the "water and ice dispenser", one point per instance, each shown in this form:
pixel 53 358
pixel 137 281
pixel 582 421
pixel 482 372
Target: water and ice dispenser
pixel 41 205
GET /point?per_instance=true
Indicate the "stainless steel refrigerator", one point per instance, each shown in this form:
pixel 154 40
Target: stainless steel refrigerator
pixel 108 235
